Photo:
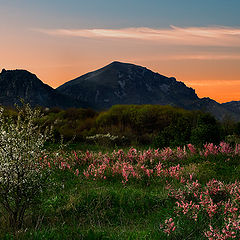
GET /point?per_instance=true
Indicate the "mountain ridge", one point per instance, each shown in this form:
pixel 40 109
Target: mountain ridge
pixel 114 77
pixel 124 83
pixel 115 83
pixel 19 83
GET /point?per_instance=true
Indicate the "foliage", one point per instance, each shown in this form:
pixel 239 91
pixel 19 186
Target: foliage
pixel 22 176
pixel 206 130
pixel 153 125
pixel 176 134
pixel 164 193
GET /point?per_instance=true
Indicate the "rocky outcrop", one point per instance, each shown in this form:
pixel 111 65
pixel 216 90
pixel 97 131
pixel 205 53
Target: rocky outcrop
pixel 17 84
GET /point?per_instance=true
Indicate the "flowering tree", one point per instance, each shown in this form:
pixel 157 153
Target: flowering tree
pixel 22 174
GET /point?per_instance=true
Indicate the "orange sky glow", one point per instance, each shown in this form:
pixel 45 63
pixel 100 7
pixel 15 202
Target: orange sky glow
pixel 206 59
pixel 197 42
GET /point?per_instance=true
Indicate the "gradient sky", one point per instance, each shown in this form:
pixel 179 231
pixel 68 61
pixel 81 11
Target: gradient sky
pixel 198 42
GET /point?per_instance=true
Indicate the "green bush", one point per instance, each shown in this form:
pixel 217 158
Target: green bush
pixel 206 131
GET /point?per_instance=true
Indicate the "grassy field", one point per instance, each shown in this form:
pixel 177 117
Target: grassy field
pixel 182 193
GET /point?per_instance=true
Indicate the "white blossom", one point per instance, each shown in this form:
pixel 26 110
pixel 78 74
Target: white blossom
pixel 21 173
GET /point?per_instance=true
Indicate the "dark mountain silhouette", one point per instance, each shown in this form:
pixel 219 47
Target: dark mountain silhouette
pixel 220 111
pixel 233 106
pixel 116 83
pixel 16 84
pixel 124 83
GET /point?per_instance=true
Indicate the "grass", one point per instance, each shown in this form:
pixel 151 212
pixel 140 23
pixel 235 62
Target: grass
pixel 98 210
pixel 74 207
pixel 97 147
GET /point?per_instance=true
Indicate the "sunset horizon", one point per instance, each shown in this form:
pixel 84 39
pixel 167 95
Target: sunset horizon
pixel 201 87
pixel 197 43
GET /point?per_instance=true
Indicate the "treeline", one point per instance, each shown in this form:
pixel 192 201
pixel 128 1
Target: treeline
pixel 153 125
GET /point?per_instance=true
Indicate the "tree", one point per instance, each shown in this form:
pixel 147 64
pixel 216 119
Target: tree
pixel 22 174
pixel 206 131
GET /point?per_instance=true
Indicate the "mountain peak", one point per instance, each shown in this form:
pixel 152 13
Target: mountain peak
pixel 16 71
pixel 119 65
pixel 18 74
pixel 126 83
pixel 19 83
pixel 116 63
pixel 123 64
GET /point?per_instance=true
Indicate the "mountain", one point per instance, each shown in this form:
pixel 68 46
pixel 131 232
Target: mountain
pixel 220 111
pixel 124 83
pixel 233 106
pixel 16 84
pixel 116 83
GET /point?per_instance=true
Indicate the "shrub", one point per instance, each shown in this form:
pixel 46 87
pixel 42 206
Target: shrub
pixel 22 176
pixel 207 130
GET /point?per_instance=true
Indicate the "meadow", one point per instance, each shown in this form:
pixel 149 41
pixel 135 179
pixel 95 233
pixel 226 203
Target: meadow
pixel 186 192
pixel 182 193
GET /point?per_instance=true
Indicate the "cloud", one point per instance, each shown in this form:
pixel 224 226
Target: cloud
pixel 206 36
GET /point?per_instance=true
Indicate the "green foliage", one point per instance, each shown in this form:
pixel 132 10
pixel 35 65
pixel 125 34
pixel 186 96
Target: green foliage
pixel 237 129
pixel 70 123
pixel 142 123
pixel 206 171
pixel 151 125
pixel 207 130
pixel 66 206
pixel 177 133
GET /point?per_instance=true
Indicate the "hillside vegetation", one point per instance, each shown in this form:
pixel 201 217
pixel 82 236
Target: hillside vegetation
pixel 191 191
pixel 140 125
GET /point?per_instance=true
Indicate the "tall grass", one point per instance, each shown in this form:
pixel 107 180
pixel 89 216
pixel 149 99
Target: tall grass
pixel 134 201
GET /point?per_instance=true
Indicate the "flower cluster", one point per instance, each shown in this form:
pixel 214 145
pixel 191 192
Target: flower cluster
pixel 212 200
pixel 223 148
pixel 136 164
pixel 169 226
pixel 194 201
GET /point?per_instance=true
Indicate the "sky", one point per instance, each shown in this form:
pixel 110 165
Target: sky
pixel 197 42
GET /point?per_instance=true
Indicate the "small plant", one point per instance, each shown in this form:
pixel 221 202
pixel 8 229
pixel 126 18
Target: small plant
pixel 22 173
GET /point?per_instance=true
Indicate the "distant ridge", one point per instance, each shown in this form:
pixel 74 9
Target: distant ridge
pixel 233 106
pixel 16 84
pixel 116 83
